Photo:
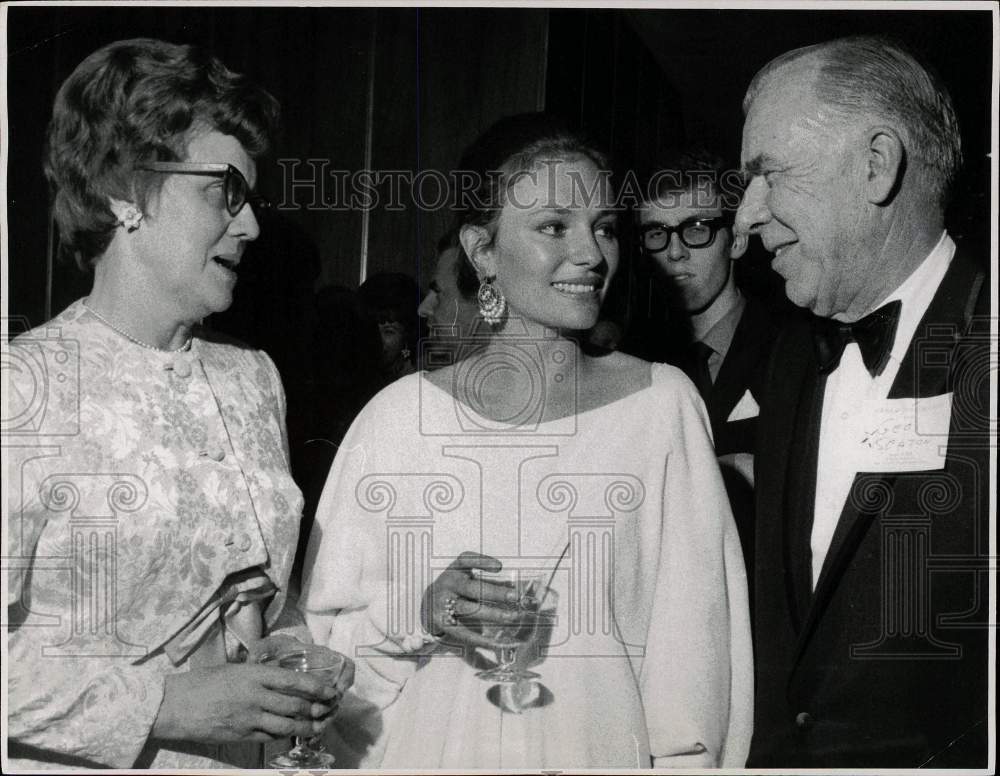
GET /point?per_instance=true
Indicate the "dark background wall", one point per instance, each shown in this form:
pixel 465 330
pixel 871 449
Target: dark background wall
pixel 400 89
pixel 710 56
pixel 407 89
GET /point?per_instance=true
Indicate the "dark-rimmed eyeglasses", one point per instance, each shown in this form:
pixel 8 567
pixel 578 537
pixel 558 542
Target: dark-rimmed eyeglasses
pixel 694 233
pixel 236 190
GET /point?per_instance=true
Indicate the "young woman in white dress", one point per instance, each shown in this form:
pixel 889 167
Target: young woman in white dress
pixel 595 473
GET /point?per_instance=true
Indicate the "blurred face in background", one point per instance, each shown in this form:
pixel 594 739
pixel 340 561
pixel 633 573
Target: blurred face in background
pixel 449 315
pixel 393 335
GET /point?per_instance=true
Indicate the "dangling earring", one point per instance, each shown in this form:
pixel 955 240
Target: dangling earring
pixel 492 303
pixel 131 217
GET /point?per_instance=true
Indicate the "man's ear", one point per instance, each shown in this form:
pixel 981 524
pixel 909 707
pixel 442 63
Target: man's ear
pixel 477 244
pixel 738 246
pixel 885 157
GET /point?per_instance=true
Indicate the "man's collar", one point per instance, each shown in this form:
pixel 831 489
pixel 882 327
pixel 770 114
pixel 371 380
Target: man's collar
pixel 720 336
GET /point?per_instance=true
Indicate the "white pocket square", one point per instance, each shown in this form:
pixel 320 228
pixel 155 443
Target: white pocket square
pixel 746 408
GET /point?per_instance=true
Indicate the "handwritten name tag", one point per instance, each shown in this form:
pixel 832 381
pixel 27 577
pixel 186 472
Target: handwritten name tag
pixel 901 435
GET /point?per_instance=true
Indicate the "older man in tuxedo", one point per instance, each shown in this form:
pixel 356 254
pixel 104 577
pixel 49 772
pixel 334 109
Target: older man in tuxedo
pixel 872 467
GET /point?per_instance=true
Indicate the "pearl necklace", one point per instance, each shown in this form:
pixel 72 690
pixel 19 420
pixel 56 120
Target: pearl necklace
pixel 136 340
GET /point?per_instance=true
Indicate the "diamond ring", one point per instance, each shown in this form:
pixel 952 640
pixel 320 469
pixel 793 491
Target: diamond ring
pixel 451 616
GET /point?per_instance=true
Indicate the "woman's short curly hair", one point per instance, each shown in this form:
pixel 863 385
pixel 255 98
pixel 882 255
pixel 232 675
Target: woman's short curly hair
pixel 136 101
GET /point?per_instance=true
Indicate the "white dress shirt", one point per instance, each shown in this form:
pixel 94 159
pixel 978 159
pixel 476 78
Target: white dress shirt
pixel 850 384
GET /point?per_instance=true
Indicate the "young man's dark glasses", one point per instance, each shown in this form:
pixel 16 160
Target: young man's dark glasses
pixel 694 233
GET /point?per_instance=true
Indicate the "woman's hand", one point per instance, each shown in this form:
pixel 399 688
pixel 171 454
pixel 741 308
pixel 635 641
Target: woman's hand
pixel 243 702
pixel 457 598
pixel 260 650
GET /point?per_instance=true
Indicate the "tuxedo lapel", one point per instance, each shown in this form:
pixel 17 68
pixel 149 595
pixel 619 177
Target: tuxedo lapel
pixel 938 333
pixel 800 497
pixel 788 403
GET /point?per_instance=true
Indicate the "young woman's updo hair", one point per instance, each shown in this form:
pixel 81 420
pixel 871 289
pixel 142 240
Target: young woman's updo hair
pixel 136 101
pixel 512 146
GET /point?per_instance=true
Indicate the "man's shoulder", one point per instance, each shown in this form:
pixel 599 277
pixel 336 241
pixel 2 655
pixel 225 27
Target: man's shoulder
pixel 962 296
pixel 789 350
pixel 770 315
pixel 968 276
pixel 766 326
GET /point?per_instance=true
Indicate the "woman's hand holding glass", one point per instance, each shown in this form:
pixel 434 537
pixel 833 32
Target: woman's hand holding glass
pixel 315 660
pixel 243 702
pixel 534 609
pixel 265 650
pixel 460 608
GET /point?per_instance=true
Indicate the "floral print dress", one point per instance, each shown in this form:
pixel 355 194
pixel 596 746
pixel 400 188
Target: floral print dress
pixel 152 524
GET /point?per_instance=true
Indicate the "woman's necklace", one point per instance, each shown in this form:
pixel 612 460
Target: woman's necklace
pixel 136 340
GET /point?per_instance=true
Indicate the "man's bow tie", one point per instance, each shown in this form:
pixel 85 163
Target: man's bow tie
pixel 874 334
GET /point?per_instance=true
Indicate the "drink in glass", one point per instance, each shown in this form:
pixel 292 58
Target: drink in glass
pixel 534 607
pixel 314 659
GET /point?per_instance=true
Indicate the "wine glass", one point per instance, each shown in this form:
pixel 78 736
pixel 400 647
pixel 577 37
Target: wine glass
pixel 314 659
pixel 535 605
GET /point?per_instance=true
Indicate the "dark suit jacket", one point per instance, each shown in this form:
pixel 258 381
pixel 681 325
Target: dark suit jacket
pixel 742 370
pixel 885 664
pixel 669 341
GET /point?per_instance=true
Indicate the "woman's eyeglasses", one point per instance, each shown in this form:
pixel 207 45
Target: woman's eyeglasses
pixel 694 233
pixel 235 188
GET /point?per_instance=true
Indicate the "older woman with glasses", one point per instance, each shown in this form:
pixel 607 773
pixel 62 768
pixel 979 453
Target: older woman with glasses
pixel 155 530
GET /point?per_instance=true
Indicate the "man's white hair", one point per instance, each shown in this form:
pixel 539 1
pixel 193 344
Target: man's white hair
pixel 876 76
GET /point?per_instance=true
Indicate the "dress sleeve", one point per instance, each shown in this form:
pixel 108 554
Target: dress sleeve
pixel 63 689
pixel 345 582
pixel 697 677
pixel 60 693
pixel 97 709
pixel 25 519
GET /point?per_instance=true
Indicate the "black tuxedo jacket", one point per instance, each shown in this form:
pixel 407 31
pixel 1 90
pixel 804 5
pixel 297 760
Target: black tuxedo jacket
pixel 885 664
